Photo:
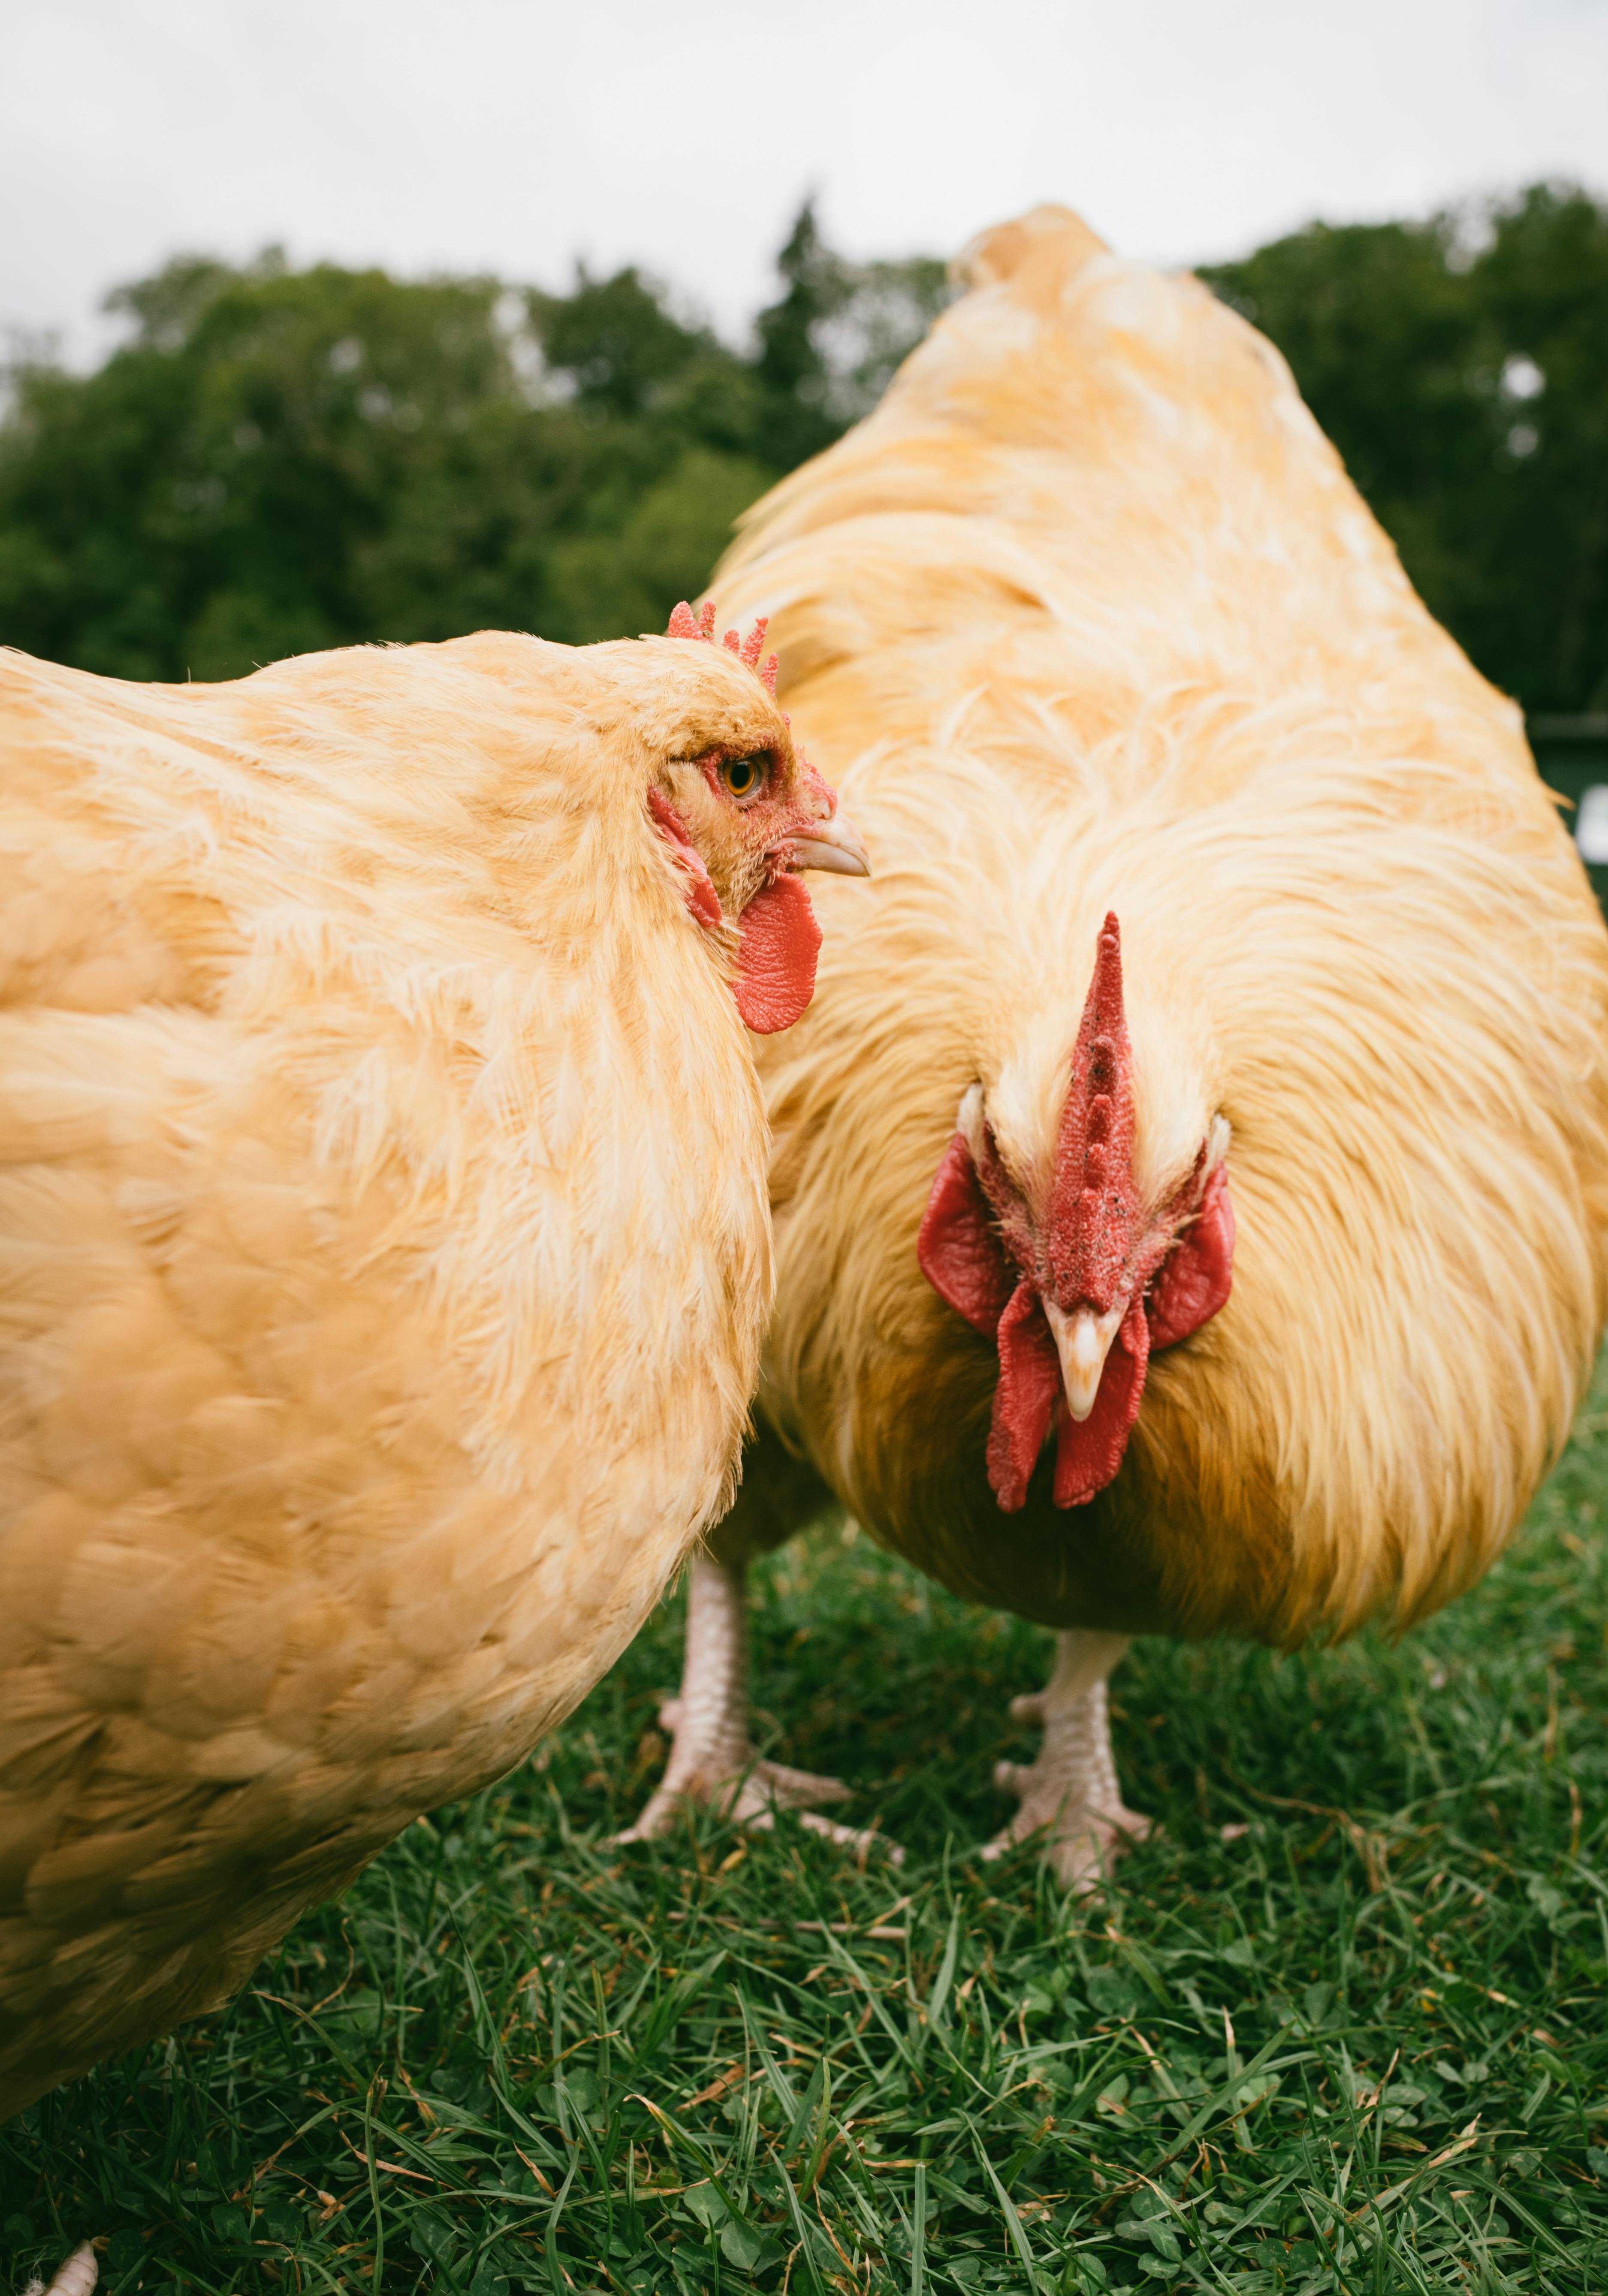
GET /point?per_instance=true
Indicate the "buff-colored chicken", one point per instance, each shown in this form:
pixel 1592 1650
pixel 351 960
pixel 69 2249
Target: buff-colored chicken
pixel 385 1254
pixel 1191 1183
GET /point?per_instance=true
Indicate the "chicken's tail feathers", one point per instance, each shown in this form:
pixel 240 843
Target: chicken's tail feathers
pixel 995 254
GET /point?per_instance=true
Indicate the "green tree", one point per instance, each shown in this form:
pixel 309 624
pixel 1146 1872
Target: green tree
pixel 226 488
pixel 829 347
pixel 281 459
pixel 277 459
pixel 616 341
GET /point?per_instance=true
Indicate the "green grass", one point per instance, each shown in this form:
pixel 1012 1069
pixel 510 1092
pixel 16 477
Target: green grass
pixel 1360 2046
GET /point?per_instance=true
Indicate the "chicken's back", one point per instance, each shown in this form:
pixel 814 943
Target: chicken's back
pixel 1094 486
pixel 1086 616
pixel 384 1258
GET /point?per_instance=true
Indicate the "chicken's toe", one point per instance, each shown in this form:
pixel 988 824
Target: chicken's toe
pixel 1068 1792
pixel 787 1788
pixel 1085 1845
pixel 771 1786
pixel 712 1760
pixel 751 1797
pixel 75 2275
pixel 1014 1777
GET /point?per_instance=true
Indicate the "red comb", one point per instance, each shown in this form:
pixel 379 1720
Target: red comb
pixel 684 624
pixel 1094 1208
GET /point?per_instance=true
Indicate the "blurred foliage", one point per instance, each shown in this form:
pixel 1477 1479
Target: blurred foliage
pixel 828 348
pixel 278 459
pixel 1460 367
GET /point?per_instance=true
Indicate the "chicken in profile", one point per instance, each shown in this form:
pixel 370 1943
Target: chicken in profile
pixel 1190 1181
pixel 385 1254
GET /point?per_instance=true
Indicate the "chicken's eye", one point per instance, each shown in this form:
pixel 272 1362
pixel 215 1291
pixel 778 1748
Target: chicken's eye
pixel 743 778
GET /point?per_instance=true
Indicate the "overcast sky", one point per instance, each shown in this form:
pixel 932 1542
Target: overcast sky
pixel 513 135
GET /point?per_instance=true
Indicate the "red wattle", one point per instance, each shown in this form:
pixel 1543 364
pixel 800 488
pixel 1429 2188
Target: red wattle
pixel 1195 1280
pixel 974 1239
pixel 958 1250
pixel 1088 1452
pixel 778 943
pixel 1024 1400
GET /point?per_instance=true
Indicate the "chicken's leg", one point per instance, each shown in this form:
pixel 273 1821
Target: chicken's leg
pixel 1070 1787
pixel 712 1757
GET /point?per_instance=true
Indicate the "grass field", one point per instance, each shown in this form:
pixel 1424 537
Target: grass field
pixel 1359 2044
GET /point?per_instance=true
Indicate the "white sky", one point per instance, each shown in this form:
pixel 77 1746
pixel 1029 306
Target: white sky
pixel 513 135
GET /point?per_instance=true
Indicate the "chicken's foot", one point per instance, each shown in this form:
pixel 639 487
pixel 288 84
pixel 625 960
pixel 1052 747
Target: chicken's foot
pixel 75 2275
pixel 712 1760
pixel 1070 1787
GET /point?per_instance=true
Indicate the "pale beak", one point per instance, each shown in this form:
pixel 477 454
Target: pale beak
pixel 836 845
pixel 1083 1341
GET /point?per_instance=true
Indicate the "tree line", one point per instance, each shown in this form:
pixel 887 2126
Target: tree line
pixel 278 459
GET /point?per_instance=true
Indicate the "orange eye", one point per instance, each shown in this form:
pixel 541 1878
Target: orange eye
pixel 743 778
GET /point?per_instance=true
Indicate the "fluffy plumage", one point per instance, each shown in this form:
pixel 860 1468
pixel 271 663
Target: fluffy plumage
pixel 384 1255
pixel 1086 618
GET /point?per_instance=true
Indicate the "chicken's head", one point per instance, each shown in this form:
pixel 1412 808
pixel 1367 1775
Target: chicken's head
pixel 743 816
pixel 1078 1281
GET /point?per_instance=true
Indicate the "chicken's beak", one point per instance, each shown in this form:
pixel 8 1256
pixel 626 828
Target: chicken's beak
pixel 836 845
pixel 1083 1340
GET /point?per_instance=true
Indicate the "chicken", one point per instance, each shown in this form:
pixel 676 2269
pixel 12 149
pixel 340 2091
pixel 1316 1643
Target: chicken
pixel 385 1254
pixel 1190 1181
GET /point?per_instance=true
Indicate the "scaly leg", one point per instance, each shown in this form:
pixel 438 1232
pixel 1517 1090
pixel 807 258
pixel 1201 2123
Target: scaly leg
pixel 1071 1788
pixel 712 1757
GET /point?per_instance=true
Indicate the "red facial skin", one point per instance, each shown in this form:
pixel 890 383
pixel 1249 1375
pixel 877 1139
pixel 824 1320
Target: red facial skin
pixel 980 1251
pixel 778 939
pixel 699 892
